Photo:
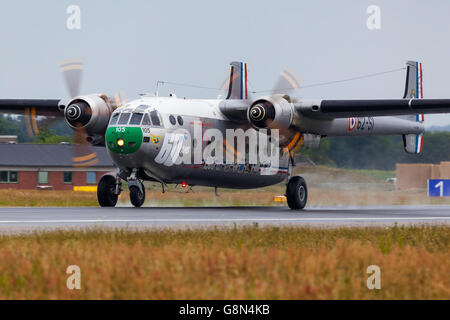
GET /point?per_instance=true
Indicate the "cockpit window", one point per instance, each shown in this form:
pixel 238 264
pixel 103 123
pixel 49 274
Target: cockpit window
pixel 114 118
pixel 136 118
pixel 124 118
pixel 146 120
pixel 155 118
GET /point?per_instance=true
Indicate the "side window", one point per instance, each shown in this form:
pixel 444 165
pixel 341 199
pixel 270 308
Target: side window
pixel 146 120
pixel 9 177
pixel 91 177
pixel 136 118
pixel 67 177
pixel 43 176
pixel 155 118
pixel 124 118
pixel 13 176
pixel 114 118
pixel 3 176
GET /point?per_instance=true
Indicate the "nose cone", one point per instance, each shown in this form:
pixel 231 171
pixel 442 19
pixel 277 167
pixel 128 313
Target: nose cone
pixel 123 140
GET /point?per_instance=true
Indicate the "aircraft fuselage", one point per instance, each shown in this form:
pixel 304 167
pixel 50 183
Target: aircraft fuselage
pixel 170 127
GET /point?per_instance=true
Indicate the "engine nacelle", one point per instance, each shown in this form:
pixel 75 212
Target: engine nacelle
pixel 271 112
pixel 90 112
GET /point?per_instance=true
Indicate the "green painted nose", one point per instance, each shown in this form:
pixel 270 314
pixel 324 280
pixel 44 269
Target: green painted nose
pixel 123 140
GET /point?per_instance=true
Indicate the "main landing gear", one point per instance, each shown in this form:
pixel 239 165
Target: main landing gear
pixel 296 193
pixel 109 188
pixel 108 191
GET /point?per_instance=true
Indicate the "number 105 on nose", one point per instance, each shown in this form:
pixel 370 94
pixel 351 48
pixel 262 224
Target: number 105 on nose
pixel 439 188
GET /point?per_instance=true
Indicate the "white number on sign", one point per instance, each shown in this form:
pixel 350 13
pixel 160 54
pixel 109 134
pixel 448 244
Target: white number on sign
pixel 440 185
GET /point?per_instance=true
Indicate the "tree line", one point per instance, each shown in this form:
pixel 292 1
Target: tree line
pixel 378 152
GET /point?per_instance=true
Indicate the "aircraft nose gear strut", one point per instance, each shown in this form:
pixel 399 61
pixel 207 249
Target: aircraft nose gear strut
pixel 296 193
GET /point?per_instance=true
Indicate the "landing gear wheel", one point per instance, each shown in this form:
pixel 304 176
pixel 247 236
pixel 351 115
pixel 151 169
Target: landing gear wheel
pixel 106 188
pixel 136 196
pixel 296 193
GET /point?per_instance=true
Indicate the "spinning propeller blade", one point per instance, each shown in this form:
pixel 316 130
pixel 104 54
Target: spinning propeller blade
pixel 287 85
pixel 83 154
pixel 72 70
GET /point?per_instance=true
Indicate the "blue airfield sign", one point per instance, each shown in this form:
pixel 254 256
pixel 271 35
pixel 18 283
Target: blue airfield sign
pixel 439 188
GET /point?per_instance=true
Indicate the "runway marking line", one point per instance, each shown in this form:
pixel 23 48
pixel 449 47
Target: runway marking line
pixel 226 220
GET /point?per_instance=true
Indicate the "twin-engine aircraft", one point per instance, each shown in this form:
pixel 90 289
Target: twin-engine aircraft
pixel 235 142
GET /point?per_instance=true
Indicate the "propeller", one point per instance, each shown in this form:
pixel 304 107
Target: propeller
pixel 83 154
pixel 262 112
pixel 288 84
pixel 285 87
pixel 31 122
pixel 72 70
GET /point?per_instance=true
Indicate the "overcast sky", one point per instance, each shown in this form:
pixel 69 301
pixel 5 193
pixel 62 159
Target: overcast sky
pixel 129 45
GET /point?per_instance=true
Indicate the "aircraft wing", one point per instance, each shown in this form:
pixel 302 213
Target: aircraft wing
pixel 332 109
pixel 35 107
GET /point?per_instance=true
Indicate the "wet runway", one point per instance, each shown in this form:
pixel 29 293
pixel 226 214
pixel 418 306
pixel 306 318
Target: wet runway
pixel 27 219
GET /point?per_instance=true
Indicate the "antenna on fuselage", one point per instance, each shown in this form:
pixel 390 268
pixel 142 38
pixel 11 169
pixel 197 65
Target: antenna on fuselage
pixel 157 86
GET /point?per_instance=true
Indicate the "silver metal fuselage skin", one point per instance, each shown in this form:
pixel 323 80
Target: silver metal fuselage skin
pixel 209 115
pixel 200 112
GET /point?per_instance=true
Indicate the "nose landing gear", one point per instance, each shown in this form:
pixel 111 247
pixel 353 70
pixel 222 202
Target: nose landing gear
pixel 137 192
pixel 296 193
pixel 137 189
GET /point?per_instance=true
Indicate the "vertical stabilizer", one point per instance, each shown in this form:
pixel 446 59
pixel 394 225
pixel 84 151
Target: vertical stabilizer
pixel 413 86
pixel 413 143
pixel 237 87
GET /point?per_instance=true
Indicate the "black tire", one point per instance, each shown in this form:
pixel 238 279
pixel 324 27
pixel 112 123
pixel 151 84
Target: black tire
pixel 136 196
pixel 296 193
pixel 106 191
